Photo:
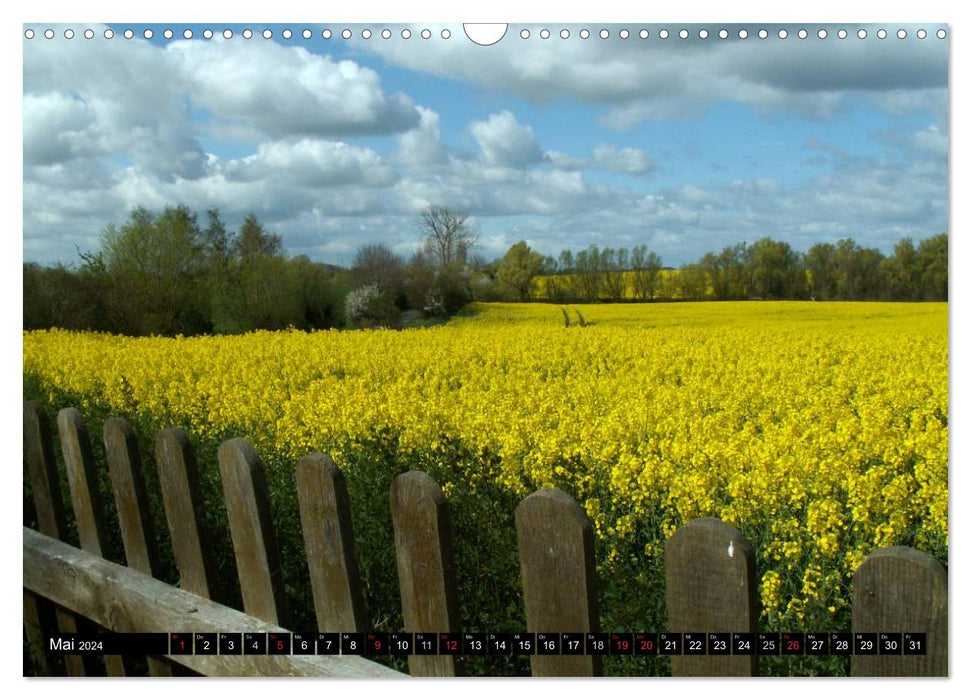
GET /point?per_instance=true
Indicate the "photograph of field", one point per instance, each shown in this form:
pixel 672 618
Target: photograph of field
pixel 352 356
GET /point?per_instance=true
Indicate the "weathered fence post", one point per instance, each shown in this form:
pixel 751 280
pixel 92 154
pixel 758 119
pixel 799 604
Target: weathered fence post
pixel 178 476
pixel 39 451
pixel 556 559
pixel 82 478
pixel 131 499
pixel 251 527
pixel 51 521
pixel 325 517
pixel 710 578
pixel 900 590
pixel 423 545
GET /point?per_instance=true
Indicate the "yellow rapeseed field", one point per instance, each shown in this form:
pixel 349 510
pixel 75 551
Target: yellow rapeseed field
pixel 818 429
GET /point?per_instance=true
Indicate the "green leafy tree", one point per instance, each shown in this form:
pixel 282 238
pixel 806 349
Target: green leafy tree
pixel 155 266
pixel 716 275
pixel 60 297
pixel 932 263
pixel 566 284
pixel 900 272
pixel 774 270
pixel 858 275
pixel 611 273
pixel 253 241
pixel 257 289
pixel 587 273
pixel 692 282
pixel 822 273
pixel 646 267
pixel 217 241
pixel 320 291
pixel 518 268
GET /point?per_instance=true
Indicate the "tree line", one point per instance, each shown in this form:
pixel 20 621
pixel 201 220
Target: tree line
pixel 174 272
pixel 766 269
pixel 168 274
pixel 171 273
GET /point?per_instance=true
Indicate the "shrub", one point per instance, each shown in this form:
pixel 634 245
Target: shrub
pixel 369 307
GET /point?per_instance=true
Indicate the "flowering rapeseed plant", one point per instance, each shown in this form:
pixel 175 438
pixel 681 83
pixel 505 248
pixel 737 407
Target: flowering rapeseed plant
pixel 819 430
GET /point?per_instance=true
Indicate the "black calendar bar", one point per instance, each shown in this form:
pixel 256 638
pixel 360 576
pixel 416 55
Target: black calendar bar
pixel 150 644
pixel 494 643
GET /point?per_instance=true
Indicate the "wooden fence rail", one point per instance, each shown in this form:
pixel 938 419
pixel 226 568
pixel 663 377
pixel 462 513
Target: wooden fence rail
pixel 709 566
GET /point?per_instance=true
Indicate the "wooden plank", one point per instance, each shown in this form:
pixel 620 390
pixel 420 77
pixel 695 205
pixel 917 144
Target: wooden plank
pixel 710 577
pixel 74 664
pixel 251 527
pixel 426 572
pixel 39 452
pixel 125 600
pixel 900 589
pixel 178 476
pixel 423 546
pixel 131 499
pixel 558 572
pixel 33 626
pixel 131 496
pixel 82 479
pixel 325 517
pixel 51 518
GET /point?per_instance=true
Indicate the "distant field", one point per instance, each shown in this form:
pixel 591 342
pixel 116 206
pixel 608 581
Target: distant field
pixel 820 430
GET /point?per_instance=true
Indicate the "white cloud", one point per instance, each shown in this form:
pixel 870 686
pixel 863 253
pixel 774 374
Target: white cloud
pixel 564 161
pixel 422 145
pixel 139 101
pixel 631 161
pixel 312 162
pixel 279 90
pixel 58 127
pixel 504 141
pixel 931 140
pixel 638 80
pixel 109 125
pixel 117 99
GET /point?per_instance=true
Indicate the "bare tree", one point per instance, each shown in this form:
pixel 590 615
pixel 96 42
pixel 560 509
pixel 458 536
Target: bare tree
pixel 377 264
pixel 448 238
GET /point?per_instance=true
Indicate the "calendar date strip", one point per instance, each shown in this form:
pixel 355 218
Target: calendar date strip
pixel 377 644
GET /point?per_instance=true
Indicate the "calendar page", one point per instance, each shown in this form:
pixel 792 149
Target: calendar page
pixel 546 349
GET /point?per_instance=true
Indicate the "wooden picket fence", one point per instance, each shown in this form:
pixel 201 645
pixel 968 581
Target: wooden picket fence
pixel 709 566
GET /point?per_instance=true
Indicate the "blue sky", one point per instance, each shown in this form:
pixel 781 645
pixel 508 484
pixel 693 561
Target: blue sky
pixel 686 145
